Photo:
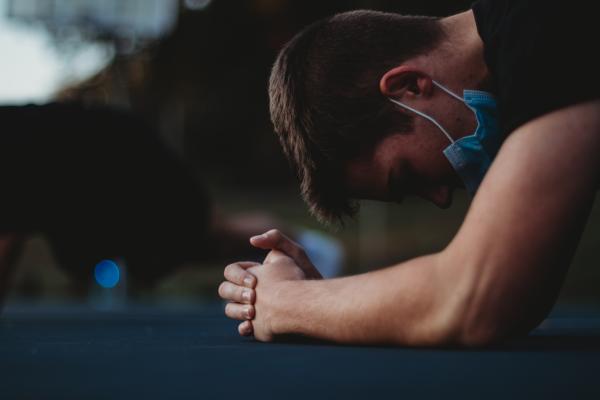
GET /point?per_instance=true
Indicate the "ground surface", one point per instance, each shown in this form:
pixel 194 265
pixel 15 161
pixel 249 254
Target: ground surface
pixel 141 352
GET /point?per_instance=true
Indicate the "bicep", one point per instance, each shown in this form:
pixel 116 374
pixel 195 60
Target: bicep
pixel 517 241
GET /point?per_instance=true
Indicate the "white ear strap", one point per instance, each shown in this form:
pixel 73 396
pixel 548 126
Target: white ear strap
pixel 445 89
pixel 427 117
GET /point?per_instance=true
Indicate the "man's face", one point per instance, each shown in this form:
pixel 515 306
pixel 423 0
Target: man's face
pixel 401 165
pixel 413 163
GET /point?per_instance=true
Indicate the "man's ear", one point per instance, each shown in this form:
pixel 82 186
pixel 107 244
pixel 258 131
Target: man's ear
pixel 405 82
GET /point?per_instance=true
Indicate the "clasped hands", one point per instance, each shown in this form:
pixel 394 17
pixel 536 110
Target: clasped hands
pixel 253 289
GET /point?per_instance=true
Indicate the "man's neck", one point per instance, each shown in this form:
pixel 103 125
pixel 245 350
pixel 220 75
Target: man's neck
pixel 462 53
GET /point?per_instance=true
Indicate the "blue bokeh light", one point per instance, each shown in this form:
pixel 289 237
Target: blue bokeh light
pixel 107 274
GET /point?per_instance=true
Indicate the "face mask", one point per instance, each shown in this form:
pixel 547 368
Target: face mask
pixel 471 156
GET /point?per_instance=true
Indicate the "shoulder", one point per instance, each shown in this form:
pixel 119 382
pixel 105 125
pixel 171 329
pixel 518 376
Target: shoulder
pixel 539 55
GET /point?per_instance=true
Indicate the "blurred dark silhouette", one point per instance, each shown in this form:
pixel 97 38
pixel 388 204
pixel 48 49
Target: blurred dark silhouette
pixel 97 183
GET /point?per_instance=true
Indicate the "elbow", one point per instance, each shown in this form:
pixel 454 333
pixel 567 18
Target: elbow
pixel 492 317
pixel 478 335
pixel 483 307
pixel 471 309
pixel 484 326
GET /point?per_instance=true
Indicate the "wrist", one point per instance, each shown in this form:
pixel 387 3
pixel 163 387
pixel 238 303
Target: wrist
pixel 283 314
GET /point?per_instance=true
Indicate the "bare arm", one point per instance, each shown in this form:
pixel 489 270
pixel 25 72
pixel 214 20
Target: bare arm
pixel 498 277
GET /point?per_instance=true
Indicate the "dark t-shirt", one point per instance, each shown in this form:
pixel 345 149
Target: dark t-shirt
pixel 541 54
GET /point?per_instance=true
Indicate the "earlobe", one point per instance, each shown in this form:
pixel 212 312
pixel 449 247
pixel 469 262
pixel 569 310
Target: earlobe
pixel 404 80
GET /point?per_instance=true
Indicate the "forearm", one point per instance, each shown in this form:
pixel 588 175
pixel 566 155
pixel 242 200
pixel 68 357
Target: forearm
pixel 500 275
pixel 407 304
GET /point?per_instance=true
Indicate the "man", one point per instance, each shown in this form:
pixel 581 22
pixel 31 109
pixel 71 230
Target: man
pixel 379 106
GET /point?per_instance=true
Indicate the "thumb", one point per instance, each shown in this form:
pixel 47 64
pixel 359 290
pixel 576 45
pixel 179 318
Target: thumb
pixel 275 240
pixel 264 241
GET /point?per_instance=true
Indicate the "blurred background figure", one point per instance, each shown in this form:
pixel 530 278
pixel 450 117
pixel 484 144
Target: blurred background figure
pixel 171 95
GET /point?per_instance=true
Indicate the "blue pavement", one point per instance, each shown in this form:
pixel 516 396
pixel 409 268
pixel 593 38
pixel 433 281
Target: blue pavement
pixel 71 352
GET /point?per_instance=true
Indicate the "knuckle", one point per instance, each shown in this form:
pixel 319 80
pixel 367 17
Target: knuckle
pixel 227 271
pixel 253 282
pixel 222 289
pixel 238 293
pixel 269 257
pixel 251 296
pixel 233 311
pixel 232 271
pixel 228 310
pixel 244 328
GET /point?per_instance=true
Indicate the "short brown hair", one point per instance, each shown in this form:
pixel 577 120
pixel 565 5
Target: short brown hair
pixel 325 102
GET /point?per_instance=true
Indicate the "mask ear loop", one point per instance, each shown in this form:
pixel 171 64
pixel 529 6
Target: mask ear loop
pixel 450 92
pixel 427 117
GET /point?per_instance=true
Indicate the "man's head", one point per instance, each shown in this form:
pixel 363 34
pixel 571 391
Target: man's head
pixel 330 90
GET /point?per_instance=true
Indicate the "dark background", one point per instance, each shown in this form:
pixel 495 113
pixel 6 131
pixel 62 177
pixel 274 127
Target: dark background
pixel 203 86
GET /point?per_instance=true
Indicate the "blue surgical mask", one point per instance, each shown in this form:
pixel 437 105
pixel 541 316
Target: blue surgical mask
pixel 471 156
